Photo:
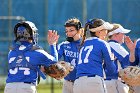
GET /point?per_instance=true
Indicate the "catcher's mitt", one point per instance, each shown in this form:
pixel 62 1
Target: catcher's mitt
pixel 59 70
pixel 131 75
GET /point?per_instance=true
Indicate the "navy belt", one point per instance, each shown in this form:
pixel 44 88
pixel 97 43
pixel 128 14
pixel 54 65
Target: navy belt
pixel 28 82
pixel 91 75
pixel 108 79
pixel 87 76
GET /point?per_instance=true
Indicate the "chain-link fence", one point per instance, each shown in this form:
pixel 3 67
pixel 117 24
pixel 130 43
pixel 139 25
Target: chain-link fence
pixel 6 37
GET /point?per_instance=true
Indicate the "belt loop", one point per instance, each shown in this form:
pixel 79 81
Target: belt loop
pixel 71 81
pixel 29 83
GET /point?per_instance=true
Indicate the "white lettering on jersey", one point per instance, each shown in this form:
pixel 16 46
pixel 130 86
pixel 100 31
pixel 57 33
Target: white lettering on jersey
pixel 12 59
pixel 83 49
pixel 14 71
pixel 70 53
pixel 73 62
pixel 27 58
pixel 26 70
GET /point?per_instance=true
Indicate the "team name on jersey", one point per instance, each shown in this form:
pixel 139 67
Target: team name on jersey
pixel 71 53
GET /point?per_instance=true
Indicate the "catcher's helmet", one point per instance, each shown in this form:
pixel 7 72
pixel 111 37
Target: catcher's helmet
pixel 25 31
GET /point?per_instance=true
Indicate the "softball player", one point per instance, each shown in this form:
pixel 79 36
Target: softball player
pixel 137 62
pixel 24 59
pixel 116 38
pixel 93 52
pixel 68 49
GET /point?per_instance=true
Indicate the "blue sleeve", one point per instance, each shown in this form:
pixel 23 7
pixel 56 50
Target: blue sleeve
pixel 108 58
pixel 45 58
pixel 125 62
pixel 136 54
pixel 122 58
pixel 54 52
pixel 57 50
pixel 60 49
pixel 136 57
pixel 120 53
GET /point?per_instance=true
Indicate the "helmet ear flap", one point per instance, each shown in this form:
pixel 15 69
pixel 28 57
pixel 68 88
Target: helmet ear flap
pixel 79 25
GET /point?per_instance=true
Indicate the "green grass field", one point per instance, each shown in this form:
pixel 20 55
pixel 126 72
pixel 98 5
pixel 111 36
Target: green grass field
pixel 47 88
pixel 43 88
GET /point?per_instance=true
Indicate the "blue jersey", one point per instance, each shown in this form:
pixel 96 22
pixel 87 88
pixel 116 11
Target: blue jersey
pixel 69 51
pixel 23 65
pixel 91 57
pixel 137 54
pixel 121 56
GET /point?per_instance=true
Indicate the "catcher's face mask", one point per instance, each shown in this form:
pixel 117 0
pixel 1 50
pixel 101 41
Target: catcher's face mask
pixel 25 31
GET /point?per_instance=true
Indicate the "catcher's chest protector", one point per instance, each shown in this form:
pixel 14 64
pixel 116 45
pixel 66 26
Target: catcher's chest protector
pixel 20 60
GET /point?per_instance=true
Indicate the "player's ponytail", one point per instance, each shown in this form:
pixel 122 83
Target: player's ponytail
pixel 84 35
pixel 92 23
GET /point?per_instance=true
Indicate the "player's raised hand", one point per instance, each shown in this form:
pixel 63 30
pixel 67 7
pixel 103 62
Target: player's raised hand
pixel 129 43
pixel 52 37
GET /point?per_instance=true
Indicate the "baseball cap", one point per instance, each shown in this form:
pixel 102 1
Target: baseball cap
pixel 119 30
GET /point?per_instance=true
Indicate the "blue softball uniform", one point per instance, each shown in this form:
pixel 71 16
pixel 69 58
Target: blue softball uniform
pixel 121 56
pixel 92 55
pixel 69 51
pixel 137 54
pixel 24 63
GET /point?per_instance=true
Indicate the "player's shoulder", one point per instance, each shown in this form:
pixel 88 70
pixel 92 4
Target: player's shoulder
pixel 138 43
pixel 64 42
pixel 43 53
pixel 114 44
pixel 138 40
pixel 96 40
pixel 103 42
pixel 36 47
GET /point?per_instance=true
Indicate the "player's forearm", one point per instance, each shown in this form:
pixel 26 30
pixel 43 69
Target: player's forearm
pixel 132 56
pixel 54 51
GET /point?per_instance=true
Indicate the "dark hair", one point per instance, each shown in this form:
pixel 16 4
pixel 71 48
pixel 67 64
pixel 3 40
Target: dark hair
pixel 24 31
pixel 92 23
pixel 73 22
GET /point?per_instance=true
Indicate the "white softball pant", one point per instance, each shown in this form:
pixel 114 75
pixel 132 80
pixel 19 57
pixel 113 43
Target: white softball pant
pixel 87 84
pixel 19 87
pixel 67 87
pixel 116 86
